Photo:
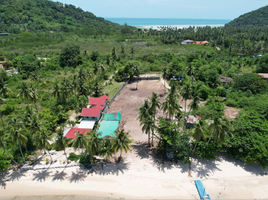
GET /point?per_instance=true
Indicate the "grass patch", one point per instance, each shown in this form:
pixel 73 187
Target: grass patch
pixel 111 89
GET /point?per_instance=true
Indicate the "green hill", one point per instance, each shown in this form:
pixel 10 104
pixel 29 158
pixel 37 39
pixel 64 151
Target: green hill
pixel 43 15
pixel 256 18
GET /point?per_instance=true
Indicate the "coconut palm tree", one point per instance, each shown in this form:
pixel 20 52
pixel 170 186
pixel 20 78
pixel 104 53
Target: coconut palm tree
pixel 199 132
pixel 4 90
pixel 61 141
pixel 179 116
pixel 80 141
pixel 148 126
pixel 33 94
pixel 121 142
pixel 41 140
pixel 3 146
pixel 132 51
pixel 144 115
pixel 136 72
pixel 219 129
pixel 93 145
pixel 195 104
pixel 186 93
pixel 17 134
pixel 155 103
pixel 56 90
pixel 34 124
pixel 24 91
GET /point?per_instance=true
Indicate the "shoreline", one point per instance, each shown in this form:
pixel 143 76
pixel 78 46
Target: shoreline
pixel 176 26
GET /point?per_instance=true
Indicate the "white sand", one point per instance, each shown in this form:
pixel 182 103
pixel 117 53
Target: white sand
pixel 138 176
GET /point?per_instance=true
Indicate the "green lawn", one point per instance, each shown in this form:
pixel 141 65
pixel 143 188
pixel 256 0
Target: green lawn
pixel 111 89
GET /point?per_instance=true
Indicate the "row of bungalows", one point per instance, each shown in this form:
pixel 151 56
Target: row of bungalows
pixel 90 116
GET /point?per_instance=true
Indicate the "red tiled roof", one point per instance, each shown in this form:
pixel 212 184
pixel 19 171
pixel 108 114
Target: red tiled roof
pixel 105 97
pixel 72 131
pixel 91 112
pixel 98 101
pixel 201 42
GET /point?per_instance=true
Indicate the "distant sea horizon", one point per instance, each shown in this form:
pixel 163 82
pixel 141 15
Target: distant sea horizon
pixel 173 22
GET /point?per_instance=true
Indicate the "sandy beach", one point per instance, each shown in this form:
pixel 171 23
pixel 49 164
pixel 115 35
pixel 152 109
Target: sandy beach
pixel 141 175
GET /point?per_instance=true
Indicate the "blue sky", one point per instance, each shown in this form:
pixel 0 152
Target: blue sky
pixel 195 9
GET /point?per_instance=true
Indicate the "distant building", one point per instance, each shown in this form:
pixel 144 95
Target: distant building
pixel 201 42
pixel 192 120
pixel 92 114
pixel 224 79
pixel 4 34
pixel 264 75
pixel 187 42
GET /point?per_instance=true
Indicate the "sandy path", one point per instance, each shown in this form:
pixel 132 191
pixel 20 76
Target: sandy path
pixel 140 175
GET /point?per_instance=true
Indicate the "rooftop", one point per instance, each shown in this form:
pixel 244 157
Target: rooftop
pixel 265 75
pixel 71 133
pixel 91 112
pixel 98 100
pixel 224 79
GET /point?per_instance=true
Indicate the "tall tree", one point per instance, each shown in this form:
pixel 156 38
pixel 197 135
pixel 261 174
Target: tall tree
pixel 61 141
pixel 41 140
pixel 80 141
pixel 121 142
pixel 17 134
pixel 155 103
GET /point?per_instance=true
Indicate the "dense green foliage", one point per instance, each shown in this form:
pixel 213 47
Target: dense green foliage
pixel 257 17
pixel 44 15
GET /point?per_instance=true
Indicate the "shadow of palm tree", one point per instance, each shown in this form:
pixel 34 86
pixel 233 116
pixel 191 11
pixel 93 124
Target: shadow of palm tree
pixel 59 176
pixel 15 175
pixel 41 176
pixel 141 149
pixel 77 177
pixel 114 168
pixel 3 181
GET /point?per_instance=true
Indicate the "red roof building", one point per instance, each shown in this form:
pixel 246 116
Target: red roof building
pixel 71 133
pixel 102 101
pixel 92 114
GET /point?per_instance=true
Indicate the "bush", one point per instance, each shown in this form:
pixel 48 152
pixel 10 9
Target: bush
pixel 220 91
pixel 74 157
pixel 2 58
pixel 85 159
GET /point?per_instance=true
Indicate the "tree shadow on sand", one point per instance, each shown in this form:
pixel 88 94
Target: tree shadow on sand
pixel 253 169
pixel 59 176
pixel 143 151
pixel 77 177
pixel 15 176
pixel 113 168
pixel 203 167
pixel 3 179
pixel 41 175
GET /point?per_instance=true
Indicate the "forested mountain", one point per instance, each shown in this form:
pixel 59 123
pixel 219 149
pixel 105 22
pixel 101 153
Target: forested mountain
pixel 256 18
pixel 44 15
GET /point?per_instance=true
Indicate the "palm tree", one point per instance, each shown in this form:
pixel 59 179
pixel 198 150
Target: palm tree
pixel 80 141
pixel 4 90
pixel 186 93
pixel 3 146
pixel 148 126
pixel 34 124
pixel 24 91
pixel 93 142
pixel 179 116
pixel 105 148
pixel 199 132
pixel 61 141
pixel 155 103
pixel 132 51
pixel 136 72
pixel 41 140
pixel 219 129
pixel 95 68
pixel 195 104
pixel 17 134
pixel 57 90
pixel 33 94
pixel 144 115
pixel 102 70
pixel 121 142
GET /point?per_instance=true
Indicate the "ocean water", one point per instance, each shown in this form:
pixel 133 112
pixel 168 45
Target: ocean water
pixel 154 22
